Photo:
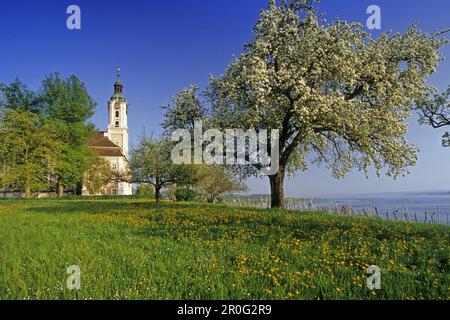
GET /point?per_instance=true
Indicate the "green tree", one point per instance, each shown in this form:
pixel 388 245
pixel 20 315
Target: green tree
pixel 434 110
pixel 64 106
pixel 68 106
pixel 337 95
pixel 97 176
pixel 214 181
pixel 66 99
pixel 74 157
pixel 18 97
pixel 151 163
pixel 26 143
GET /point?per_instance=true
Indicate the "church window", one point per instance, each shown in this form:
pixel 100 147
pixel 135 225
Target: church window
pixel 117 114
pixel 114 192
pixel 117 124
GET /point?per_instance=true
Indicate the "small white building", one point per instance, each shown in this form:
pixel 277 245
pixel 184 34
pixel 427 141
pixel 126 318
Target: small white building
pixel 112 145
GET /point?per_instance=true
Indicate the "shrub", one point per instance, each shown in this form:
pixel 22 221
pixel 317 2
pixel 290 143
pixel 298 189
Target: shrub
pixel 186 194
pixel 145 191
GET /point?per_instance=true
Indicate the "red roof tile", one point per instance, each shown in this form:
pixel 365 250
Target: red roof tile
pixel 105 147
pixel 101 141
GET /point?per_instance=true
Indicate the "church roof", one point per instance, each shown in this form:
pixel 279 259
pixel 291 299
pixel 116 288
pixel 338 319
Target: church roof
pixel 105 147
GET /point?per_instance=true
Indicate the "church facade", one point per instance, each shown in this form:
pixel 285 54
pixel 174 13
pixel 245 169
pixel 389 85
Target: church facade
pixel 112 145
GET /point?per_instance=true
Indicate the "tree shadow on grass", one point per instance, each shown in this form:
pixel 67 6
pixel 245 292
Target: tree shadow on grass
pixel 302 227
pixel 117 207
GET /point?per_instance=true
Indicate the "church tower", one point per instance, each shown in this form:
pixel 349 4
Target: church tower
pixel 118 117
pixel 112 145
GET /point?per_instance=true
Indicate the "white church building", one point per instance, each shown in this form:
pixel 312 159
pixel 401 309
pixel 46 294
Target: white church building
pixel 112 145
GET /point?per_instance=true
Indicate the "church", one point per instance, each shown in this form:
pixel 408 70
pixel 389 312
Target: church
pixel 112 145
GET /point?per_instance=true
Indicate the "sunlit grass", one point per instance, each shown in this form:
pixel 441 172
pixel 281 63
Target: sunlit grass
pixel 136 249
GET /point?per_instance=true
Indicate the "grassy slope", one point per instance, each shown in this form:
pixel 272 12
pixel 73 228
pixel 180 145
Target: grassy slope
pixel 133 249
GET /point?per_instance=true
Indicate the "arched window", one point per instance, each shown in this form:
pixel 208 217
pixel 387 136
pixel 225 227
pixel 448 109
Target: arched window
pixel 117 114
pixel 117 124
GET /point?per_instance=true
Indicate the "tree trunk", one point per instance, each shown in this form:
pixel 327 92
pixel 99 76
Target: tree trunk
pixel 79 189
pixel 158 194
pixel 277 189
pixel 27 189
pixel 59 190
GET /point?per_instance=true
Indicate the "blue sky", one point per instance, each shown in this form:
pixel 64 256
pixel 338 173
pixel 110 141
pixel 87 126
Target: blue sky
pixel 164 46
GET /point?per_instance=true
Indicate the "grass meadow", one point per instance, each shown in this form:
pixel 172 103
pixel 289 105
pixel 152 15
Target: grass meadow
pixel 137 249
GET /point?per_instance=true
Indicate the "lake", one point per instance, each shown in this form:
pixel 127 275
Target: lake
pixel 416 202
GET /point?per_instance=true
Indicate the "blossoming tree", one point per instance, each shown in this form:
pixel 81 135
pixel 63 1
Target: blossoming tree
pixel 434 110
pixel 337 95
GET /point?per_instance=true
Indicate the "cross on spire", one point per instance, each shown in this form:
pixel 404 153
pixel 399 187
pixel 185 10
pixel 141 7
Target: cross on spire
pixel 118 88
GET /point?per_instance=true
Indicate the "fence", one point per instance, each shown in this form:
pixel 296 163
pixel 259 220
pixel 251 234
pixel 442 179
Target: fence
pixel 38 195
pixel 316 205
